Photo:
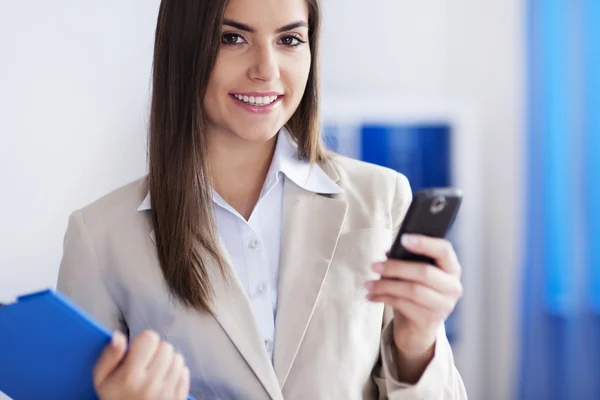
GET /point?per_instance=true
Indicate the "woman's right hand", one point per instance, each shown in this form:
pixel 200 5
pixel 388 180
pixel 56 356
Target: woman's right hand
pixel 149 370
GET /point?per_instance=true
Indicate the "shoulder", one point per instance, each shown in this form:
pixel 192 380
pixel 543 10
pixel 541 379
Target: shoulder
pixel 364 173
pixel 373 185
pixel 116 208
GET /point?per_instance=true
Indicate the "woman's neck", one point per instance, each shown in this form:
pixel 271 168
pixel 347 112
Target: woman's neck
pixel 239 169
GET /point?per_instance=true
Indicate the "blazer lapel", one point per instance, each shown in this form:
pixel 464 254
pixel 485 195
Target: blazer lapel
pixel 311 227
pixel 233 311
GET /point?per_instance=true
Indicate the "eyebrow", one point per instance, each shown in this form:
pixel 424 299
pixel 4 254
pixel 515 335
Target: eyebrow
pixel 246 28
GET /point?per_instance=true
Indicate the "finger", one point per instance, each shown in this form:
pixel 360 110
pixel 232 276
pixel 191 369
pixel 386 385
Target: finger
pixel 441 250
pixel 175 370
pixel 160 364
pixel 110 358
pixel 142 351
pixel 418 315
pixel 183 385
pixel 424 274
pixel 418 294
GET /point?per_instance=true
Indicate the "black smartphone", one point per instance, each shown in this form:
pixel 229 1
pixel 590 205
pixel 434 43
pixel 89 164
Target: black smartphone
pixel 431 213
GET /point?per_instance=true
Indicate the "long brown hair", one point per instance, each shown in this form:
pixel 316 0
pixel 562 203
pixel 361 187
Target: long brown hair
pixel 188 38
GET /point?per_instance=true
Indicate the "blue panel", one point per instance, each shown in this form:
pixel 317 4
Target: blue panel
pixel 533 381
pixel 421 152
pixel 560 353
pixel 556 126
pixel 591 15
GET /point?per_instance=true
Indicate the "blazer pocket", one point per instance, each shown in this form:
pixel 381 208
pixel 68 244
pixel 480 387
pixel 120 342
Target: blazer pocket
pixel 352 261
pixel 365 245
pixel 343 296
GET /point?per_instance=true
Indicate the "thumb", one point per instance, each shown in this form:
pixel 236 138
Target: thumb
pixel 110 358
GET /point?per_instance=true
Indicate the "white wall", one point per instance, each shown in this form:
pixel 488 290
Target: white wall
pixel 384 46
pixel 74 83
pixel 485 47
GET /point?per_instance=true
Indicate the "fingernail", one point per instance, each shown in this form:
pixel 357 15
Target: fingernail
pixel 409 240
pixel 369 285
pixel 378 267
pixel 117 339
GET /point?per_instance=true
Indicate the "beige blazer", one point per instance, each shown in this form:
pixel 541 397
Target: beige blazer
pixel 330 342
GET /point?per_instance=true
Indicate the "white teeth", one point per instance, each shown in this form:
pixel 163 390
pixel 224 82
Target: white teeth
pixel 256 101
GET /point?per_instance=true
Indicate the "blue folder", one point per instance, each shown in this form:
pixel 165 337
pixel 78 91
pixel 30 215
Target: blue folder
pixel 48 348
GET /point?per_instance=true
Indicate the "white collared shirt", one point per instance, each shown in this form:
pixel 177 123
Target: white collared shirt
pixel 254 246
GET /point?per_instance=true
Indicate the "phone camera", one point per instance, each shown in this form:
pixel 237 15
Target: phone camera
pixel 438 204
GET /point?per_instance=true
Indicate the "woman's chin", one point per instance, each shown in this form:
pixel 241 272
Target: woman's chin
pixel 256 135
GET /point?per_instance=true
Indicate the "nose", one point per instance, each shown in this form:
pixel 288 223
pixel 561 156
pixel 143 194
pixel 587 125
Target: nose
pixel 265 66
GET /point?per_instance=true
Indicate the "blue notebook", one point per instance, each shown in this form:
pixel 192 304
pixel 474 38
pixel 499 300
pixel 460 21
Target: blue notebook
pixel 48 348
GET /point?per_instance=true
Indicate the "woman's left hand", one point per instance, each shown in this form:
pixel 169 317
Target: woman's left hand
pixel 422 296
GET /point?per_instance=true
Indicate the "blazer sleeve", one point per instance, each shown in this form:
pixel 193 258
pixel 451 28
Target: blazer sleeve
pixel 441 379
pixel 81 278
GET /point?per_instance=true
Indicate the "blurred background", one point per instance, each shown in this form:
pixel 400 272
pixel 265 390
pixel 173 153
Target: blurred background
pixel 500 98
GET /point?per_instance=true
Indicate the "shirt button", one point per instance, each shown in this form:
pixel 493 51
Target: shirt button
pixel 253 244
pixel 262 288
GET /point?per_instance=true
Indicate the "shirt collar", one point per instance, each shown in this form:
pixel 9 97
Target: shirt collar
pixel 308 176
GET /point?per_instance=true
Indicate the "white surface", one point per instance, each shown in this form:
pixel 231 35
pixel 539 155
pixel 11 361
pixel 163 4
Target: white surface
pixel 380 46
pixel 75 82
pixel 486 63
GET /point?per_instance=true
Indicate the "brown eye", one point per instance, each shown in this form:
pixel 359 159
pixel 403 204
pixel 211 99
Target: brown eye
pixel 291 41
pixel 232 39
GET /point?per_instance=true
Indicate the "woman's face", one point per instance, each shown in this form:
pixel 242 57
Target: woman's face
pixel 262 68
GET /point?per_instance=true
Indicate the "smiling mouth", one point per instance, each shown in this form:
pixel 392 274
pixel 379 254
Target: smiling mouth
pixel 257 101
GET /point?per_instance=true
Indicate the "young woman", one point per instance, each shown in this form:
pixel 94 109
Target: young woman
pixel 248 247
